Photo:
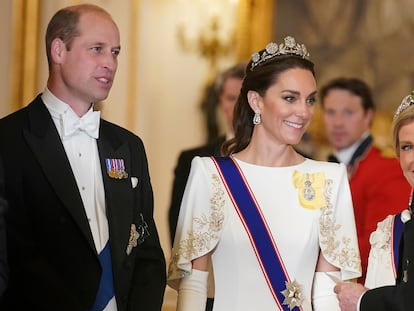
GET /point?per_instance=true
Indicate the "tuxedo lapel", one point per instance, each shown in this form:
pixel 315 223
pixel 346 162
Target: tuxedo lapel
pixel 118 192
pixel 43 139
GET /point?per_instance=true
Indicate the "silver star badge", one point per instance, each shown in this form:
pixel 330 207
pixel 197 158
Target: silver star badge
pixel 293 294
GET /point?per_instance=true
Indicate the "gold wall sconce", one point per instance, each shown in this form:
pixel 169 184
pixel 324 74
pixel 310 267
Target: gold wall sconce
pixel 208 28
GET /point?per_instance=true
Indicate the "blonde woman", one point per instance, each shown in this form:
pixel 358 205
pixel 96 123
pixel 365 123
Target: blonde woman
pixel 396 297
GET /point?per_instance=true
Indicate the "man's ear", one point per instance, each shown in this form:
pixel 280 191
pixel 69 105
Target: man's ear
pixel 57 50
pixel 369 117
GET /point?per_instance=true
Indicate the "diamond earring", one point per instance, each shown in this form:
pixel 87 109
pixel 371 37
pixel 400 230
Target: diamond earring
pixel 257 119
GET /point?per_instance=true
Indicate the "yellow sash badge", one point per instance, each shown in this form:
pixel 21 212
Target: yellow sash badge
pixel 310 189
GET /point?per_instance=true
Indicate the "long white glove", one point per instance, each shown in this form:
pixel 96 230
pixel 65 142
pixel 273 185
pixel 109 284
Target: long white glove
pixel 192 292
pixel 323 296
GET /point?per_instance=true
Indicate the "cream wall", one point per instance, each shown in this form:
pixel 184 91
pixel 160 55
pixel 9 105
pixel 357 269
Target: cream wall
pixel 156 92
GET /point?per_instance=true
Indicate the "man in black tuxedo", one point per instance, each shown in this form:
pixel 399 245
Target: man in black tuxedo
pixel 399 297
pixel 3 249
pixel 80 228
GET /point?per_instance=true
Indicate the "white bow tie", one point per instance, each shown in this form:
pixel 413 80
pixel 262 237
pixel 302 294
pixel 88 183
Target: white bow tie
pixel 89 123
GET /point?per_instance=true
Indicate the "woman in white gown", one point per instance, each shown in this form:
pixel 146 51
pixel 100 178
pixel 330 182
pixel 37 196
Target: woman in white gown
pixel 277 227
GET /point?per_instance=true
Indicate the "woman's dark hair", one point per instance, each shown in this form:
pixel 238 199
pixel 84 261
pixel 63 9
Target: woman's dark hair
pixel 258 79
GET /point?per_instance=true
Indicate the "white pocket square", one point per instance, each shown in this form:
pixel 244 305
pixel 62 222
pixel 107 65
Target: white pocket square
pixel 134 181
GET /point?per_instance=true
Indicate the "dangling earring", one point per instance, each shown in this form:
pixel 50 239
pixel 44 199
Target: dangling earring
pixel 257 119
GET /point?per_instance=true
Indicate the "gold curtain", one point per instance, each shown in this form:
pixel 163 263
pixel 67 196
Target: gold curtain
pixel 133 64
pixel 254 26
pixel 25 50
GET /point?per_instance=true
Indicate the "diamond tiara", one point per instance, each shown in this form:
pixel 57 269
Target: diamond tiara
pixel 290 47
pixel 405 103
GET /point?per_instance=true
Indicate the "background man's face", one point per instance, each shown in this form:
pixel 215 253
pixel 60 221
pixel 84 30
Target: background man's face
pixel 344 118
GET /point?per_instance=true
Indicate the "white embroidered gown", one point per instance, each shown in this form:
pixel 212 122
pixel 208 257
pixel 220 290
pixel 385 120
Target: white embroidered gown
pixel 382 270
pixel 208 222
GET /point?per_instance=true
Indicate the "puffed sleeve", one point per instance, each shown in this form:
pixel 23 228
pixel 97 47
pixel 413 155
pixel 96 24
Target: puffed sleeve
pixel 337 232
pixel 200 219
pixel 381 269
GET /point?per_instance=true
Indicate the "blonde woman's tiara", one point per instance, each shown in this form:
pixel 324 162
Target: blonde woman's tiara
pixel 405 103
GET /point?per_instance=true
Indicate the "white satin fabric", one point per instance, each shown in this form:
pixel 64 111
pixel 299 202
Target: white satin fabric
pixel 208 222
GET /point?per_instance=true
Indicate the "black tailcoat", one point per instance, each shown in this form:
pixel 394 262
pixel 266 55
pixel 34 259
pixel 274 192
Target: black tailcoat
pixel 53 261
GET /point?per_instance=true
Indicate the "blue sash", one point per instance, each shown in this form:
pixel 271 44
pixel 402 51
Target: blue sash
pixel 106 286
pixel 256 227
pixel 397 230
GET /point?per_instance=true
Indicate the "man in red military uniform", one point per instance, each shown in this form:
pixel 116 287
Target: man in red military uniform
pixel 377 184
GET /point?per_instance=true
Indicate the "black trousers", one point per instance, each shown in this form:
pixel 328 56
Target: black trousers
pixel 209 304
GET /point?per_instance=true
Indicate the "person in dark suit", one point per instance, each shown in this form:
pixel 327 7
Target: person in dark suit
pixel 80 228
pixel 228 87
pixel 181 172
pixel 4 273
pixel 353 296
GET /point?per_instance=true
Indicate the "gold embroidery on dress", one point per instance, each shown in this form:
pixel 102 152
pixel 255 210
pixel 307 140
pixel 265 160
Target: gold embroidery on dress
pixel 337 250
pixel 205 229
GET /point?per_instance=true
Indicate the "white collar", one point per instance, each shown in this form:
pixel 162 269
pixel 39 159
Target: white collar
pixel 345 155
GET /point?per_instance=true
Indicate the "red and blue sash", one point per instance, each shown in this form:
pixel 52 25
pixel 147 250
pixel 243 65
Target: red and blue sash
pixel 397 230
pixel 256 227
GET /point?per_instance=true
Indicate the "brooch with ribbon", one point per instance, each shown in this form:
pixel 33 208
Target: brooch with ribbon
pixel 116 168
pixel 138 234
pixel 293 294
pixel 310 189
